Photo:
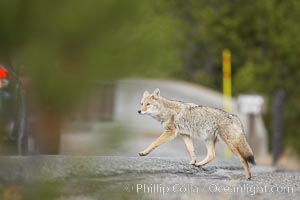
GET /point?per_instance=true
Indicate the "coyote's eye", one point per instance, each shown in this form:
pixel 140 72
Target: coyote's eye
pixel 148 104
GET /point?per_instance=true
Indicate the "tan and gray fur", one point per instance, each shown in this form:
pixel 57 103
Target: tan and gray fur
pixel 193 121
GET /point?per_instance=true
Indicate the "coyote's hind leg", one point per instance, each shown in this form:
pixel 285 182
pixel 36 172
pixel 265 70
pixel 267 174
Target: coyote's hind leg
pixel 210 145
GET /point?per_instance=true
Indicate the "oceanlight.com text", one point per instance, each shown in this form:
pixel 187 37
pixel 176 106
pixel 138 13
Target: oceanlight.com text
pixel 250 189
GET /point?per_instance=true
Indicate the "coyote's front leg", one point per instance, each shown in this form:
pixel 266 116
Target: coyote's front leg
pixel 163 138
pixel 190 147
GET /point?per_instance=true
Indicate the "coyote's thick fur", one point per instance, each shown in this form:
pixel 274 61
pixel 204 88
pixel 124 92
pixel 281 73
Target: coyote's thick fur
pixel 191 120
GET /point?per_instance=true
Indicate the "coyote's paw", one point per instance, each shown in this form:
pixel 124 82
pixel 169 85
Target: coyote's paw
pixel 143 153
pixel 193 162
pixel 198 165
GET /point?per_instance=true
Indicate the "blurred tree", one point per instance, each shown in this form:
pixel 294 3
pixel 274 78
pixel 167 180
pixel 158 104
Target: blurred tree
pixel 264 38
pixel 64 45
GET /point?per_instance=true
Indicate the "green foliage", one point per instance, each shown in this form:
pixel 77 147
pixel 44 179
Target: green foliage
pixel 64 45
pixel 264 39
pixel 42 190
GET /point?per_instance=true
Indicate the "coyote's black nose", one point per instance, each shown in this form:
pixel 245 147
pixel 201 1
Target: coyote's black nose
pixel 139 111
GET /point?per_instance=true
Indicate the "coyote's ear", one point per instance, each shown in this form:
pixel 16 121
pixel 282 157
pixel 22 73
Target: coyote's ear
pixel 146 93
pixel 156 93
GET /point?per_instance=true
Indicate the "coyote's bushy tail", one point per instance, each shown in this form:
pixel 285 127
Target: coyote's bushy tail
pixel 245 150
pixel 251 160
pixel 233 135
pixel 235 139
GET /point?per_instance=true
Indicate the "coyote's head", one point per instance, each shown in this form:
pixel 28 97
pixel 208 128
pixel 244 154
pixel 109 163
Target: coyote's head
pixel 150 103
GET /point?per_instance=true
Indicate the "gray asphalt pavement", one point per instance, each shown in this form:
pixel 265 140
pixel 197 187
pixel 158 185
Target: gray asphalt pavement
pixel 102 177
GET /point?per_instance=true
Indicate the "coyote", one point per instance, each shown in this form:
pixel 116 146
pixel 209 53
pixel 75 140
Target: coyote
pixel 191 120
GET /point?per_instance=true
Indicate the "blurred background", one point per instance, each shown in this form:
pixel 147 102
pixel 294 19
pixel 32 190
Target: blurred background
pixel 72 73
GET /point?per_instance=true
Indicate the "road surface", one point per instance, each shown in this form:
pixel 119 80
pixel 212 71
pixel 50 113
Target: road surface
pixel 104 177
